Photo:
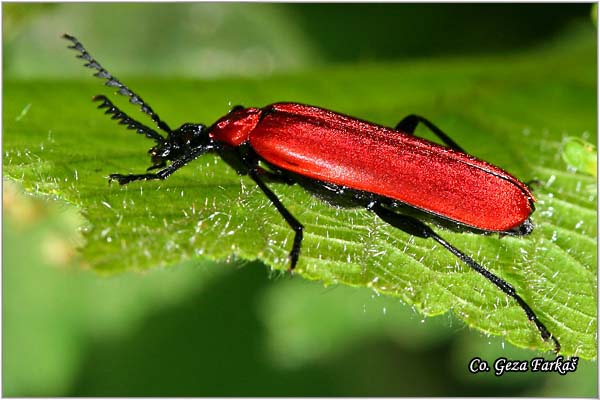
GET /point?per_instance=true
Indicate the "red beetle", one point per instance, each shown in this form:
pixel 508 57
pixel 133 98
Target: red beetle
pixel 388 171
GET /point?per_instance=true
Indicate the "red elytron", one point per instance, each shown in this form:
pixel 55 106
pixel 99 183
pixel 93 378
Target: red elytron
pixel 330 147
pixel 354 162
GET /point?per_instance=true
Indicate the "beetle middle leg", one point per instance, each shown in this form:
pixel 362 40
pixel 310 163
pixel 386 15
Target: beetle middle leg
pixel 275 177
pixel 409 124
pixel 417 228
pixel 298 228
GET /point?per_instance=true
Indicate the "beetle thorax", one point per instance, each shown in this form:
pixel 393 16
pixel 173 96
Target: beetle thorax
pixel 234 128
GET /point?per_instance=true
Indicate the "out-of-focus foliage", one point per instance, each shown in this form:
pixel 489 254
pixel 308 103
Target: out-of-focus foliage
pixel 204 40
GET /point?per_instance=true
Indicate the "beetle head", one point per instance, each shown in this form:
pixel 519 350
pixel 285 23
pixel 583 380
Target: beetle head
pixel 183 141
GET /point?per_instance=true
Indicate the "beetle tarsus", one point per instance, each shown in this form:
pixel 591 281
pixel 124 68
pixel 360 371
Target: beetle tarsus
pixel 125 179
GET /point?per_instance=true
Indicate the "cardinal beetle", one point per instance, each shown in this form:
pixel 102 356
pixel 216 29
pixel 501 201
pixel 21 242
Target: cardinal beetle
pixel 382 169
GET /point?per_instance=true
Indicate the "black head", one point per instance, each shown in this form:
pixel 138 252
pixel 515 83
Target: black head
pixel 180 146
pixel 524 229
pixel 186 140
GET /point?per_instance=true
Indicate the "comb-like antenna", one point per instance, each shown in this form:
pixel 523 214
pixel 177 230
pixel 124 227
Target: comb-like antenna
pixel 124 119
pixel 114 82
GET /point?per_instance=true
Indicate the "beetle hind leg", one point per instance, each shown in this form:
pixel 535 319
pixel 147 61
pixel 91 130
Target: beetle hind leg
pixel 417 228
pixel 409 124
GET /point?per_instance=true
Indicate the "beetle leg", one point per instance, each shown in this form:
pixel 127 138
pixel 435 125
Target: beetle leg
pixel 417 228
pixel 163 173
pixel 409 124
pixel 125 119
pixel 289 218
pixel 276 177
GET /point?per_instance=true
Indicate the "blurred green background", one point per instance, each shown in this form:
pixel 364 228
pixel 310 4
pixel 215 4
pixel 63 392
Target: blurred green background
pixel 199 330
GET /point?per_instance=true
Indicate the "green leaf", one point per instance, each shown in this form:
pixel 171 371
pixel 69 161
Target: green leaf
pixel 511 111
pixel 580 155
pixel 53 315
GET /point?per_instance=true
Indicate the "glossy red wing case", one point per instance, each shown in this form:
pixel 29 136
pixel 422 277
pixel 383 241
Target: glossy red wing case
pixel 331 147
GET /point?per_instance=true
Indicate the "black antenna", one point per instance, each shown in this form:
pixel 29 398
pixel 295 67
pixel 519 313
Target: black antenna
pixel 124 119
pixel 114 82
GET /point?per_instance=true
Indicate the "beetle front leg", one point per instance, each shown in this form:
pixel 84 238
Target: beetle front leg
pixel 163 173
pixel 125 179
pixel 417 228
pixel 409 124
pixel 289 218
